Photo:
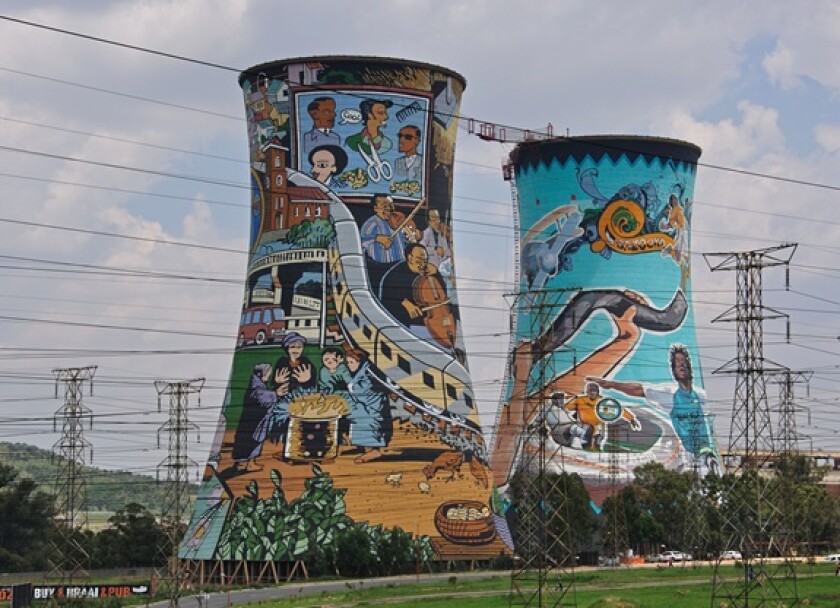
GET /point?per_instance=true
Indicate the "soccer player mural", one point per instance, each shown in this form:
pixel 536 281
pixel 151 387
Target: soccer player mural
pixel 349 402
pixel 605 329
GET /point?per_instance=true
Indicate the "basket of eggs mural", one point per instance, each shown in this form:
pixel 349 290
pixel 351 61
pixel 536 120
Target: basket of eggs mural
pixel 466 522
pixel 313 427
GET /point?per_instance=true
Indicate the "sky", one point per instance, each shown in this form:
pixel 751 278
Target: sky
pixel 137 267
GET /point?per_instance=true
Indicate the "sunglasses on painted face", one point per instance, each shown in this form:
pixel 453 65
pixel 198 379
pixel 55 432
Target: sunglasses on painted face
pixel 408 136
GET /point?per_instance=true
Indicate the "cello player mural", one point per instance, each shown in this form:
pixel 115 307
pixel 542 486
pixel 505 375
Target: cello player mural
pixel 350 372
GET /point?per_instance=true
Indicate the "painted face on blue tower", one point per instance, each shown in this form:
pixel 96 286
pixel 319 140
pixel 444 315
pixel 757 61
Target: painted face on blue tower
pixel 681 368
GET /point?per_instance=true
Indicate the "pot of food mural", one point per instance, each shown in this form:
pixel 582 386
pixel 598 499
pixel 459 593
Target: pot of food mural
pixel 604 322
pixel 349 402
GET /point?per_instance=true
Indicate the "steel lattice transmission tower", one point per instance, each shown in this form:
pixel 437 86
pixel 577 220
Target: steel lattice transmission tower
pixel 70 558
pixel 176 466
pixel 787 435
pixel 789 468
pixel 752 505
pixel 543 573
pixel 695 528
pixel 614 535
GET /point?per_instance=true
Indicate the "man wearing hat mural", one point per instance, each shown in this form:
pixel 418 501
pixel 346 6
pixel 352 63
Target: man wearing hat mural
pixel 294 368
pixel 292 371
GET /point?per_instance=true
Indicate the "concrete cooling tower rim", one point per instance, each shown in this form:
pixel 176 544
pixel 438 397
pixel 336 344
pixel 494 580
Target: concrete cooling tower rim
pixel 271 66
pixel 534 153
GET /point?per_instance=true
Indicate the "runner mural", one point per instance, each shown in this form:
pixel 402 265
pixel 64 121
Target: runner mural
pixel 605 329
pixel 349 402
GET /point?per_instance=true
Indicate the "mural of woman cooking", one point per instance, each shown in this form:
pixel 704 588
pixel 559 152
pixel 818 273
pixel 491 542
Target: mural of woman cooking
pixel 370 412
pixel 263 409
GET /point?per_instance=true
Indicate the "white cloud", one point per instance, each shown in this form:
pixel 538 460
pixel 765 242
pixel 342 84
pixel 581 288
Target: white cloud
pixel 828 136
pixel 734 141
pixel 779 66
pixel 593 67
pixel 812 33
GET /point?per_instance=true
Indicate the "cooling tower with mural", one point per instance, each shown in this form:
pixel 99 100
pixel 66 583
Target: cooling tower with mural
pixel 604 321
pixel 350 402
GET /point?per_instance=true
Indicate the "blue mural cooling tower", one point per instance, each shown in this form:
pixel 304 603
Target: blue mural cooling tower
pixel 604 322
pixel 350 405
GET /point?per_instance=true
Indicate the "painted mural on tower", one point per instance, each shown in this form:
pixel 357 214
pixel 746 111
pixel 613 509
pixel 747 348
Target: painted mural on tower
pixel 349 400
pixel 604 325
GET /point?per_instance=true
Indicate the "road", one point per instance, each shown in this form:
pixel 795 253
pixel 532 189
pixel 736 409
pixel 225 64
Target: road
pixel 240 597
pixel 292 590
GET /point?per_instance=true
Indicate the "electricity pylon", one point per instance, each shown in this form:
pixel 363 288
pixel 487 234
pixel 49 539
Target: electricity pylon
pixel 70 557
pixel 752 505
pixel 176 465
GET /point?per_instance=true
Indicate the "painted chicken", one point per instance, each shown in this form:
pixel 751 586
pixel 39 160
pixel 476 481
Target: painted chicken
pixel 478 472
pixel 448 461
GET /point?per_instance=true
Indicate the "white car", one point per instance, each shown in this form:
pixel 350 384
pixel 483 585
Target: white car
pixel 674 556
pixel 730 555
pixel 834 557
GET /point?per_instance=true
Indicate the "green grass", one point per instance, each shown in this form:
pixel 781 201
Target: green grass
pixel 594 588
pixel 622 588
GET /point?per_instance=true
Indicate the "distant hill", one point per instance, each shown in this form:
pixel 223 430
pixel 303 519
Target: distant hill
pixel 107 490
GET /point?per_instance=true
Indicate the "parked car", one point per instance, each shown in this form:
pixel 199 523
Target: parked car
pixel 834 557
pixel 731 555
pixel 674 556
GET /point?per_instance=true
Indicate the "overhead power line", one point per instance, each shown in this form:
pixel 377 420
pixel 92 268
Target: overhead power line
pixel 119 94
pixel 192 178
pixel 458 115
pixel 191 199
pixel 123 140
pixel 142 49
pixel 168 55
pixel 118 235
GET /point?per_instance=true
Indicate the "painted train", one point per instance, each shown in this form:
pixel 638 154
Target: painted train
pixel 433 385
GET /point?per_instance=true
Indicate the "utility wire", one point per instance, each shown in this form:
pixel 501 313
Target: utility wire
pixel 755 174
pixel 123 140
pixel 119 44
pixel 192 178
pixel 454 115
pixel 119 94
pixel 118 235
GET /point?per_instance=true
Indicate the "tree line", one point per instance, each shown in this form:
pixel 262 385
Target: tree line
pixel 664 508
pixel 106 490
pixel 27 530
pixel 660 507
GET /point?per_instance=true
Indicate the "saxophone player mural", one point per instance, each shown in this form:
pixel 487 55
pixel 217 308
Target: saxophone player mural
pixel 605 251
pixel 349 401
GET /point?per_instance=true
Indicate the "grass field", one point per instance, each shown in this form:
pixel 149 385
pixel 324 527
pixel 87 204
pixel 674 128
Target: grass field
pixel 622 588
pixel 640 587
pixel 98 520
